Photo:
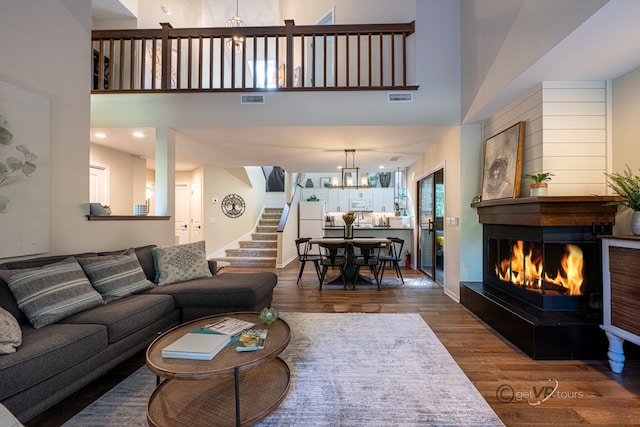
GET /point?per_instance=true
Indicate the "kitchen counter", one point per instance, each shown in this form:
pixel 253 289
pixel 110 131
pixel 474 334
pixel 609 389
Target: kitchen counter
pixel 403 233
pixel 366 228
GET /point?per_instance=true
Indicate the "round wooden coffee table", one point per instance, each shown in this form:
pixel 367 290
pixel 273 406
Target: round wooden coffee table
pixel 234 388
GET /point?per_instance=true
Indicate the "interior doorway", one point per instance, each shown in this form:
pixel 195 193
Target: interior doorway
pixel 99 183
pixel 431 238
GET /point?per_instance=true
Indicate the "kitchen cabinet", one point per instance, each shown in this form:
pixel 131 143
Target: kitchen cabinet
pixel 320 193
pixel 383 199
pixel 338 201
pixel 620 295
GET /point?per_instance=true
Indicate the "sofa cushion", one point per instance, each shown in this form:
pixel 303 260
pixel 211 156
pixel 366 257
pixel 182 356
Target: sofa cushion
pixel 46 352
pixel 180 263
pixel 222 290
pixel 145 257
pixel 52 292
pixel 7 300
pixel 10 333
pixel 115 276
pixel 125 316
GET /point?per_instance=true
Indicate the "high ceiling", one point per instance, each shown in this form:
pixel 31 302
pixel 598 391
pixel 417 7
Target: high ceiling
pixel 612 35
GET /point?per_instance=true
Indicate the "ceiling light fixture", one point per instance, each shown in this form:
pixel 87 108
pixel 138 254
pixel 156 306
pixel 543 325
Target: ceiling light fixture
pixel 235 22
pixel 100 135
pixel 350 174
pixel 139 134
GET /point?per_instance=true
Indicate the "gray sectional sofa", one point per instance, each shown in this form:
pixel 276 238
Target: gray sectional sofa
pixel 58 359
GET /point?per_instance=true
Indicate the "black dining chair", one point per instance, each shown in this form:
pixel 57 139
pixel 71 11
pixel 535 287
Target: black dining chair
pixel 304 247
pixel 366 255
pixel 332 255
pixel 392 256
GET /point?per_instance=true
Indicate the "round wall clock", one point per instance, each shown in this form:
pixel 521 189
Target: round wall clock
pixel 233 205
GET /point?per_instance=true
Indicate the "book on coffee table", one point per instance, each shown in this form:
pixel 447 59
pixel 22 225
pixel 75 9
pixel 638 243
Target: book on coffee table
pixel 252 339
pixel 195 345
pixel 229 326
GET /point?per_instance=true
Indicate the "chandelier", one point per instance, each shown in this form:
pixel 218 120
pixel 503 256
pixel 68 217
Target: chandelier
pixel 350 174
pixel 235 22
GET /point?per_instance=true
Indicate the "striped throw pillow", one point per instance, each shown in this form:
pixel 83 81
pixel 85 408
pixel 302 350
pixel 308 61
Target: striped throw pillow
pixel 115 276
pixel 52 292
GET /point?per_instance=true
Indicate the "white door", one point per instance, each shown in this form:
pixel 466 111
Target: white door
pixel 196 211
pixel 182 213
pixel 99 183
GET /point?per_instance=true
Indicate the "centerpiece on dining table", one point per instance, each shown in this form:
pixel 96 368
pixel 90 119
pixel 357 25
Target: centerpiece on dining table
pixel 349 218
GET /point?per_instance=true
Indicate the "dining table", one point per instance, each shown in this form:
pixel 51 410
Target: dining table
pixel 350 267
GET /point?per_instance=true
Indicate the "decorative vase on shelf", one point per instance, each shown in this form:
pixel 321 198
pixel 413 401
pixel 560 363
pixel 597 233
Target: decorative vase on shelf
pixel 385 179
pixel 635 223
pixel 539 189
pixel 373 180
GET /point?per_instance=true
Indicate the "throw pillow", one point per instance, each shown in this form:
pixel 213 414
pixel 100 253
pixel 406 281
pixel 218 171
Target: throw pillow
pixel 52 292
pixel 180 263
pixel 115 276
pixel 10 333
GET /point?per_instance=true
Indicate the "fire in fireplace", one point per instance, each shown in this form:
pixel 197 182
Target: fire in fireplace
pixel 524 268
pixel 533 264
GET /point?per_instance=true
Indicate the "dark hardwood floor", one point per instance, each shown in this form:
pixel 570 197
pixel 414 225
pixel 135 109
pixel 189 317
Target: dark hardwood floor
pixel 587 393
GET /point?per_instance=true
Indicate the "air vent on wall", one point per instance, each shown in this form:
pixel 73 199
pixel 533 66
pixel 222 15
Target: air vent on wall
pixel 252 99
pixel 399 97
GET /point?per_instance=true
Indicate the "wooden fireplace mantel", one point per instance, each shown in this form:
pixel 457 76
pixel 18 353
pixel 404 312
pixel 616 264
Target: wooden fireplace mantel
pixel 552 211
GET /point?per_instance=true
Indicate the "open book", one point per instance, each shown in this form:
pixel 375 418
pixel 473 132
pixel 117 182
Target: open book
pixel 229 326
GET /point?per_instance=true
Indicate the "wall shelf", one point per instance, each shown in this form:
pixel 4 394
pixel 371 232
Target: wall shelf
pixel 128 217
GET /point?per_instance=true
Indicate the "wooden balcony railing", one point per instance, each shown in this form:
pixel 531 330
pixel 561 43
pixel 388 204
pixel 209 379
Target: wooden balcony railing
pixel 290 57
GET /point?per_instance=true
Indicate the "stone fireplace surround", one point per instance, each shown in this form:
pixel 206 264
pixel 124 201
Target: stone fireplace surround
pixel 545 332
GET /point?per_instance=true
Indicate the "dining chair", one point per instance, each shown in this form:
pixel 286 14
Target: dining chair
pixel 332 255
pixel 392 256
pixel 303 246
pixel 366 255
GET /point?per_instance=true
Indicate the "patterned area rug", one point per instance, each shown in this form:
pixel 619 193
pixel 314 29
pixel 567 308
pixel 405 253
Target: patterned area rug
pixel 348 369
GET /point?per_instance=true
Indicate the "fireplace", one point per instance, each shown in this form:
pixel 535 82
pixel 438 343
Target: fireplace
pixel 542 282
pixel 553 268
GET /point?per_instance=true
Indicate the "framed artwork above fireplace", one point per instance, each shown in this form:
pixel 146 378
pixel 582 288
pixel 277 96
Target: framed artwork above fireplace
pixel 503 164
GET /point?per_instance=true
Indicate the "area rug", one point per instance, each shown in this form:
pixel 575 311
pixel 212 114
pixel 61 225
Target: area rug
pixel 347 369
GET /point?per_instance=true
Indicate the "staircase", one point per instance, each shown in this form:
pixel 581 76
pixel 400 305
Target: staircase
pixel 261 250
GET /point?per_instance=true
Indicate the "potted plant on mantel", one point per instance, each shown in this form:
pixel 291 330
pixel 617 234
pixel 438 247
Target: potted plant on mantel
pixel 539 187
pixel 627 186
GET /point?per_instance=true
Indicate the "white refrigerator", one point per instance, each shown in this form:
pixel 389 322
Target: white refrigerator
pixel 311 219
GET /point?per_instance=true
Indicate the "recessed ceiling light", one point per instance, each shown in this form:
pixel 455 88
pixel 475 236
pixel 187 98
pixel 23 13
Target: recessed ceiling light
pixel 100 135
pixel 138 134
pixel 381 167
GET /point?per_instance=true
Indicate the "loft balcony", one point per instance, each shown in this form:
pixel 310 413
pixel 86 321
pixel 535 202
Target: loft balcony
pixel 279 58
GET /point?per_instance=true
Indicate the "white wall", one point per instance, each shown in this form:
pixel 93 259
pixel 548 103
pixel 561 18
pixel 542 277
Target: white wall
pixel 248 183
pixel 502 39
pixel 458 151
pixel 565 134
pixel 40 33
pixel 625 113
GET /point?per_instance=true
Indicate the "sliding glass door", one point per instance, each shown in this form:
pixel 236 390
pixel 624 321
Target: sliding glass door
pixel 431 226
